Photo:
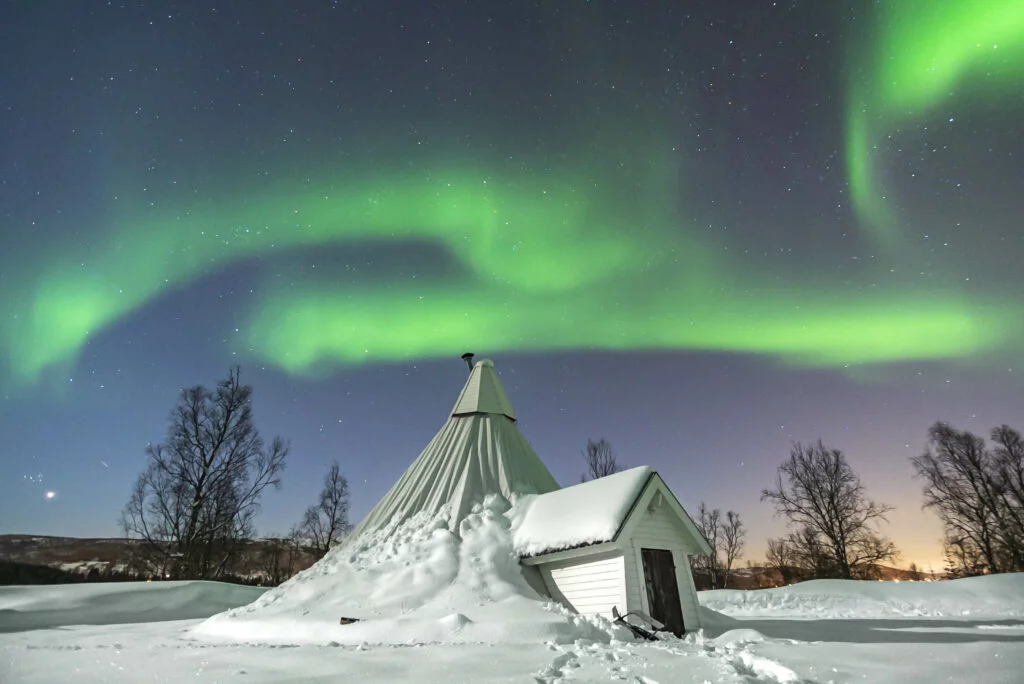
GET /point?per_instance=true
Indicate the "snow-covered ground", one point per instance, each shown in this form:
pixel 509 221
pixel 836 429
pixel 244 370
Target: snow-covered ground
pixel 23 608
pixel 817 632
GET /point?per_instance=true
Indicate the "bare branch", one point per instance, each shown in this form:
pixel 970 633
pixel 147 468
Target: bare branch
pixel 733 540
pixel 601 460
pixel 324 524
pixel 707 569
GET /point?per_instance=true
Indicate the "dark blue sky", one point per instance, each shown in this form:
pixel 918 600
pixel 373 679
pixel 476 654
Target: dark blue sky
pixel 738 111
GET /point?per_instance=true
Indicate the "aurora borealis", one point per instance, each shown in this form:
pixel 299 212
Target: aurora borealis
pixel 924 55
pixel 554 256
pixel 343 197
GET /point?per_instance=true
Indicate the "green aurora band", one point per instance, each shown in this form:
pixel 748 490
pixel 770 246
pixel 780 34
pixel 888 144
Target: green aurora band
pixel 549 262
pixel 922 53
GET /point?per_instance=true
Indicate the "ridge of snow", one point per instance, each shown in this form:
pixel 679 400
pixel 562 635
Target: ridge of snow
pixel 412 581
pixel 989 596
pixel 587 513
pixel 102 603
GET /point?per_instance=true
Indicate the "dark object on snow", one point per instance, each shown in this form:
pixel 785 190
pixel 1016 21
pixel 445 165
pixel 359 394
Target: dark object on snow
pixel 647 632
pixel 348 621
pixel 468 358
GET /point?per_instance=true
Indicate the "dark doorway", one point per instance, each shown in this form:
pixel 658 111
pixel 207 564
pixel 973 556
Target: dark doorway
pixel 662 589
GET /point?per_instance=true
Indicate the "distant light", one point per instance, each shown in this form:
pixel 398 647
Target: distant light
pixel 50 495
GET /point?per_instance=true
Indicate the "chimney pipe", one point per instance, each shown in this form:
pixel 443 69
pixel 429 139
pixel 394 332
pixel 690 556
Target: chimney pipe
pixel 468 358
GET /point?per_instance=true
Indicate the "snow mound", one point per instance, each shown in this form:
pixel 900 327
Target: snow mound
pixel 763 669
pixel 738 638
pixel 43 607
pixel 997 596
pixel 587 513
pixel 412 582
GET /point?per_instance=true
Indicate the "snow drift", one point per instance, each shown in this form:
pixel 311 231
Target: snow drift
pixel 993 596
pixel 806 647
pixel 413 581
pixel 23 607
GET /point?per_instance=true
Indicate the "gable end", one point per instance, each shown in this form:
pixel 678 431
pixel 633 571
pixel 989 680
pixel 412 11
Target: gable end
pixel 656 486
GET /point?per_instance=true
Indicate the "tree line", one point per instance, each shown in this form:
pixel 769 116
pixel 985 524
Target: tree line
pixel 834 527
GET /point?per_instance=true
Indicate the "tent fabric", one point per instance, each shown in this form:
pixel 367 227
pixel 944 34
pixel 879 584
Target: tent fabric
pixel 477 452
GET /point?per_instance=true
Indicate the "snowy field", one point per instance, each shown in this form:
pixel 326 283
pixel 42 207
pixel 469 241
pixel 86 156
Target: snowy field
pixel 817 632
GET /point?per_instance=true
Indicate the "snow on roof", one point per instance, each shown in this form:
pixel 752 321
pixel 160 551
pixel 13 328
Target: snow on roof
pixel 483 393
pixel 588 513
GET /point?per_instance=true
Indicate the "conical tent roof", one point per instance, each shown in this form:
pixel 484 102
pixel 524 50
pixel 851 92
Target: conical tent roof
pixel 483 393
pixel 478 451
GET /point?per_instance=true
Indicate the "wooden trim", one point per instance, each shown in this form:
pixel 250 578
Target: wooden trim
pixel 641 583
pixel 633 508
pixel 571 554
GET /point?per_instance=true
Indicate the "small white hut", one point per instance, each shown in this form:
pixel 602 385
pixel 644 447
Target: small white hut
pixel 622 540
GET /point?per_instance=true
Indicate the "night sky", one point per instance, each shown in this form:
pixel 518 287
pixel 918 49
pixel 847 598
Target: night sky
pixel 702 230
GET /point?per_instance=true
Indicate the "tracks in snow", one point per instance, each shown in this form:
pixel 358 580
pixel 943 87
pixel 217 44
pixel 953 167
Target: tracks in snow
pixel 643 663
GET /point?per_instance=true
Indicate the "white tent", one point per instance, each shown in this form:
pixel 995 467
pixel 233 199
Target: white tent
pixel 478 451
pixel 437 560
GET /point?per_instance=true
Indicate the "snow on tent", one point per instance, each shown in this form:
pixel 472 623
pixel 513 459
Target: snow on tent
pixel 434 559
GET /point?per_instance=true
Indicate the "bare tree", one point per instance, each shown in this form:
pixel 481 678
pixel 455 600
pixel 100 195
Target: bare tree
pixel 273 559
pixel 707 569
pixel 733 540
pixel 324 524
pixel 963 557
pixel 809 556
pixel 826 504
pixel 780 558
pixel 601 460
pixel 193 506
pixel 978 494
pixel 914 573
pixel 1008 455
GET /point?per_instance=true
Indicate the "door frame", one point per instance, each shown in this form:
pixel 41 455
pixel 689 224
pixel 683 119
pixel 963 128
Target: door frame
pixel 642 579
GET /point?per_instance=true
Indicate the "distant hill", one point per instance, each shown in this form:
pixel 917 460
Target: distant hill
pixel 760 577
pixel 98 559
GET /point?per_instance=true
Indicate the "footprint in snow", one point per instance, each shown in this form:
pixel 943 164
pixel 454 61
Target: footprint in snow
pixel 763 669
pixel 555 672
